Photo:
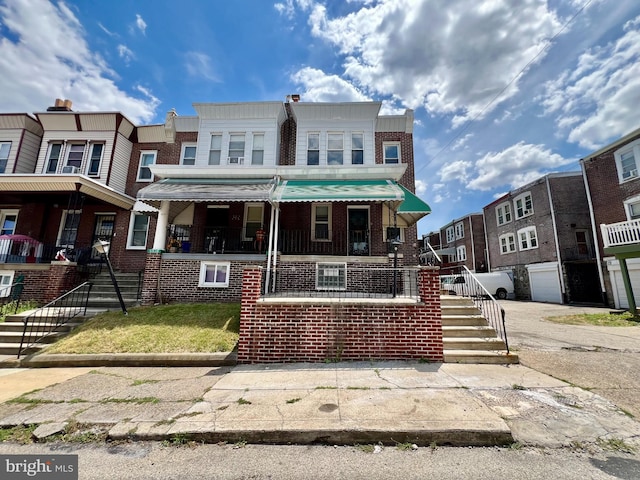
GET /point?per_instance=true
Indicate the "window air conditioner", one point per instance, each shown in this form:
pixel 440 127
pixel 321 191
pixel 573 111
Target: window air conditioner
pixel 235 160
pixel 70 169
pixel 630 174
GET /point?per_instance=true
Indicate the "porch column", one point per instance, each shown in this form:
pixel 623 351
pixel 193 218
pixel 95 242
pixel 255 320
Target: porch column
pixel 160 240
pixel 627 285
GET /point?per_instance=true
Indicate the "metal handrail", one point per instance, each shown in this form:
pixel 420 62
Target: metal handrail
pixel 11 296
pixel 48 319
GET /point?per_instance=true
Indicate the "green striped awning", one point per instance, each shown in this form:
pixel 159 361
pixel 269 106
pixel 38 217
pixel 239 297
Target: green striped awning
pixel 337 191
pixel 412 208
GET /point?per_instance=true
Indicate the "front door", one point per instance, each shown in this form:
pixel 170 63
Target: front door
pixel 103 230
pixel 217 228
pixel 358 218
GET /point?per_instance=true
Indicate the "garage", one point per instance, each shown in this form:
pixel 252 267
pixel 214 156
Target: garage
pixel 617 284
pixel 545 282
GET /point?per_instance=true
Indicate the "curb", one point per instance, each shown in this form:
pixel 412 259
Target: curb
pixel 125 360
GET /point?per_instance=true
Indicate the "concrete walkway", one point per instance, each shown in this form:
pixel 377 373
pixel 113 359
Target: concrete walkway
pixel 341 403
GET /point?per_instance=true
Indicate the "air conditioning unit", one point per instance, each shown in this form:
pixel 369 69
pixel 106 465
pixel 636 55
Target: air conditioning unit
pixel 526 212
pixel 235 160
pixel 630 174
pixel 70 169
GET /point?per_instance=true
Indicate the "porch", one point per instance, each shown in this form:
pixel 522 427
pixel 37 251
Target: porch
pixel 622 240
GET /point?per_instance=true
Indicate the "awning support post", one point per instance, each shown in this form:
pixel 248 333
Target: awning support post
pixel 160 239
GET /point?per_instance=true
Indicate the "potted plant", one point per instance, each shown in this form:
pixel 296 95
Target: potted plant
pixel 173 245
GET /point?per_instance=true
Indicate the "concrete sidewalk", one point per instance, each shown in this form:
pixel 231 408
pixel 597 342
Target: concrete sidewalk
pixel 341 403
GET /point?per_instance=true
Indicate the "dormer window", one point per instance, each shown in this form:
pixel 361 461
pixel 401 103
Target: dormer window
pixel 236 149
pixel 335 152
pixel 95 158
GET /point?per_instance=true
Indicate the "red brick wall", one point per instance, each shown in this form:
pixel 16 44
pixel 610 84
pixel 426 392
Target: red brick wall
pixel 46 282
pixel 315 332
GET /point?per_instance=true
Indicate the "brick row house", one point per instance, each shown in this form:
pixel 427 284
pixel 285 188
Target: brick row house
pixel 462 242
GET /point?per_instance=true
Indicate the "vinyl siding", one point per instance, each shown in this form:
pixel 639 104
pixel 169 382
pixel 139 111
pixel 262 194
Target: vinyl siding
pixel 28 153
pixel 105 137
pixel 121 159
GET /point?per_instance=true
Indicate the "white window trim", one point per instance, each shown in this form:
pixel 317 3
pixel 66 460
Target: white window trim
pixel 459 228
pixel 630 147
pixel 209 149
pixel 461 253
pixel 203 271
pixel 503 206
pixel 450 234
pixel 91 147
pixel 67 152
pixel 319 150
pixel 8 154
pixel 130 233
pixel 335 150
pixel 245 218
pixel 237 159
pixel 331 266
pixel 525 213
pixel 627 206
pixel 63 221
pixel 5 290
pixel 527 231
pixel 155 158
pixel 356 149
pixel 384 157
pixel 185 145
pixel 48 157
pixel 5 213
pixel 507 236
pixel 313 221
pixel 253 146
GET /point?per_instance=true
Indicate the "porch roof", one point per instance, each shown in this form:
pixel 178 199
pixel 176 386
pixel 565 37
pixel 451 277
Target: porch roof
pixel 337 191
pixel 206 190
pixel 412 208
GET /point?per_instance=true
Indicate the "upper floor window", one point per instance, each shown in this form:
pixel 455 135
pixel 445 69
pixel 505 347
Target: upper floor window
pixel 335 150
pixel 313 149
pixel 257 154
pixel 391 152
pixel 147 158
pixel 503 213
pixel 507 243
pixel 75 154
pixel 188 156
pixel 321 221
pixel 215 149
pixel 95 157
pixel 451 235
pixel 5 147
pixel 357 148
pixel 461 253
pixel 236 149
pixel 627 161
pixel 523 205
pixel 459 230
pixel 54 156
pixel 528 238
pixel 632 208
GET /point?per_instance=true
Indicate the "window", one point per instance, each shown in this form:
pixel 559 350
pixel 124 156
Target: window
pixel 188 154
pixel 528 238
pixel 451 235
pixel 236 149
pixel 507 243
pixel 6 280
pixel 523 205
pixel 459 230
pixel 257 154
pixel 53 157
pixel 391 234
pixel 503 213
pixel 252 219
pixel 461 253
pixel 335 149
pixel 214 274
pixel 632 207
pixel 94 159
pixel 147 158
pixel 138 229
pixel 313 149
pixel 75 154
pixel 215 149
pixel 357 148
pixel 68 228
pixel 8 221
pixel 321 222
pixel 582 242
pixel 627 161
pixel 391 152
pixel 5 148
pixel 331 276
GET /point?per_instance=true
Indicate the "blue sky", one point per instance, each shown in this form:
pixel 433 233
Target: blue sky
pixel 504 91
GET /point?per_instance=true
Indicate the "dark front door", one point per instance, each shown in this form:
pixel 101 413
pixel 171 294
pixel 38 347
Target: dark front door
pixel 217 229
pixel 358 231
pixel 103 230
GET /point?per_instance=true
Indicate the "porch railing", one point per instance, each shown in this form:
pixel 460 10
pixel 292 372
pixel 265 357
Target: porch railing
pixel 465 283
pixel 48 319
pixel 12 251
pixel 621 233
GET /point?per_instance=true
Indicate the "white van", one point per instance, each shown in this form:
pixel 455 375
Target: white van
pixel 498 284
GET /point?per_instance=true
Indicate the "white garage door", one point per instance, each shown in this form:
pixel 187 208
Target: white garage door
pixel 617 284
pixel 545 282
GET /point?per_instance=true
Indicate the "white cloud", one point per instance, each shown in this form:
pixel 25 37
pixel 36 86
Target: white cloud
pixel 57 63
pixel 421 187
pixel 597 100
pixel 288 7
pixel 106 30
pixel 141 24
pixel 457 170
pixel 199 65
pixel 515 166
pixel 125 53
pixel 320 87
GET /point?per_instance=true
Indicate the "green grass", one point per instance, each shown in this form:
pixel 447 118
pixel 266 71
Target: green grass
pixel 161 329
pixel 10 308
pixel 599 319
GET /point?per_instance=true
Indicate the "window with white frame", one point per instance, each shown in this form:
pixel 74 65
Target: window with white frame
pixel 627 161
pixel 357 148
pixel 253 219
pixel 214 274
pixel 5 148
pixel 8 221
pixel 461 253
pixel 6 280
pixel 188 155
pixel 527 238
pixel 459 230
pixel 53 157
pixel 138 230
pixel 95 158
pixel 451 234
pixel 507 243
pixel 335 149
pixel 68 228
pixel 257 152
pixel 215 149
pixel 313 149
pixel 236 149
pixel 147 158
pixel 331 276
pixel 391 152
pixel 75 154
pixel 523 205
pixel 503 213
pixel 321 221
pixel 632 208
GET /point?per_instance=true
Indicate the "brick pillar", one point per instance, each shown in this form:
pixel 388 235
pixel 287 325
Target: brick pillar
pixel 429 285
pixel 63 276
pixel 429 288
pixel 151 275
pixel 251 286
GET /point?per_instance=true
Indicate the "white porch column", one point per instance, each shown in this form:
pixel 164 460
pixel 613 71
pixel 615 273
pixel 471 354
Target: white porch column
pixel 160 240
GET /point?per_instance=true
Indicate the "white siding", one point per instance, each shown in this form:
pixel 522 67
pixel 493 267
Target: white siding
pixel 28 153
pixel 105 137
pixel 120 169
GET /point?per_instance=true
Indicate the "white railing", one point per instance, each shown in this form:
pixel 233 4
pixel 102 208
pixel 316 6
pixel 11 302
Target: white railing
pixel 621 233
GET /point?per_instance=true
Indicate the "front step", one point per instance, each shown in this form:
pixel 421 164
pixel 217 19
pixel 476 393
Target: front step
pixel 485 357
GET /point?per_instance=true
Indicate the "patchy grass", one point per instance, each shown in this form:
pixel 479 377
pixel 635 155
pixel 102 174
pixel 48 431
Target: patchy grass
pixel 160 329
pixel 9 308
pixel 598 319
pixel 20 434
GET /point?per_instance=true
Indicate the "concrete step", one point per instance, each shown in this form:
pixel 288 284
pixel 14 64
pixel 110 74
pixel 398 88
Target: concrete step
pixel 16 337
pixel 459 310
pixel 110 303
pixel 497 357
pixel 463 320
pixel 19 326
pixel 473 343
pixel 468 331
pixel 12 348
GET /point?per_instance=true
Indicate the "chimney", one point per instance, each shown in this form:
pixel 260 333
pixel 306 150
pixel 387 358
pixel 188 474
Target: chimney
pixel 295 97
pixel 60 106
pixel 67 104
pixel 59 102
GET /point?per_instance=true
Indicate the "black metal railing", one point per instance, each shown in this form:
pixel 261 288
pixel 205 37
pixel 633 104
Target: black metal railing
pixel 14 251
pixel 10 296
pixel 463 282
pixel 50 318
pixel 197 239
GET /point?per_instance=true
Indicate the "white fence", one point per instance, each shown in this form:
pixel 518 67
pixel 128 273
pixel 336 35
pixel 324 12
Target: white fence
pixel 621 233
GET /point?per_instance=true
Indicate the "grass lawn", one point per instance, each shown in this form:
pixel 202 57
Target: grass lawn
pixel 599 319
pixel 178 328
pixel 10 308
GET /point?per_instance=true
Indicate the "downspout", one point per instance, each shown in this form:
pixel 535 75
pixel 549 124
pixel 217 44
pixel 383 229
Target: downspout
pixel 270 247
pixel 275 256
pixel 555 237
pixel 486 242
pixel 594 233
pixel 473 248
